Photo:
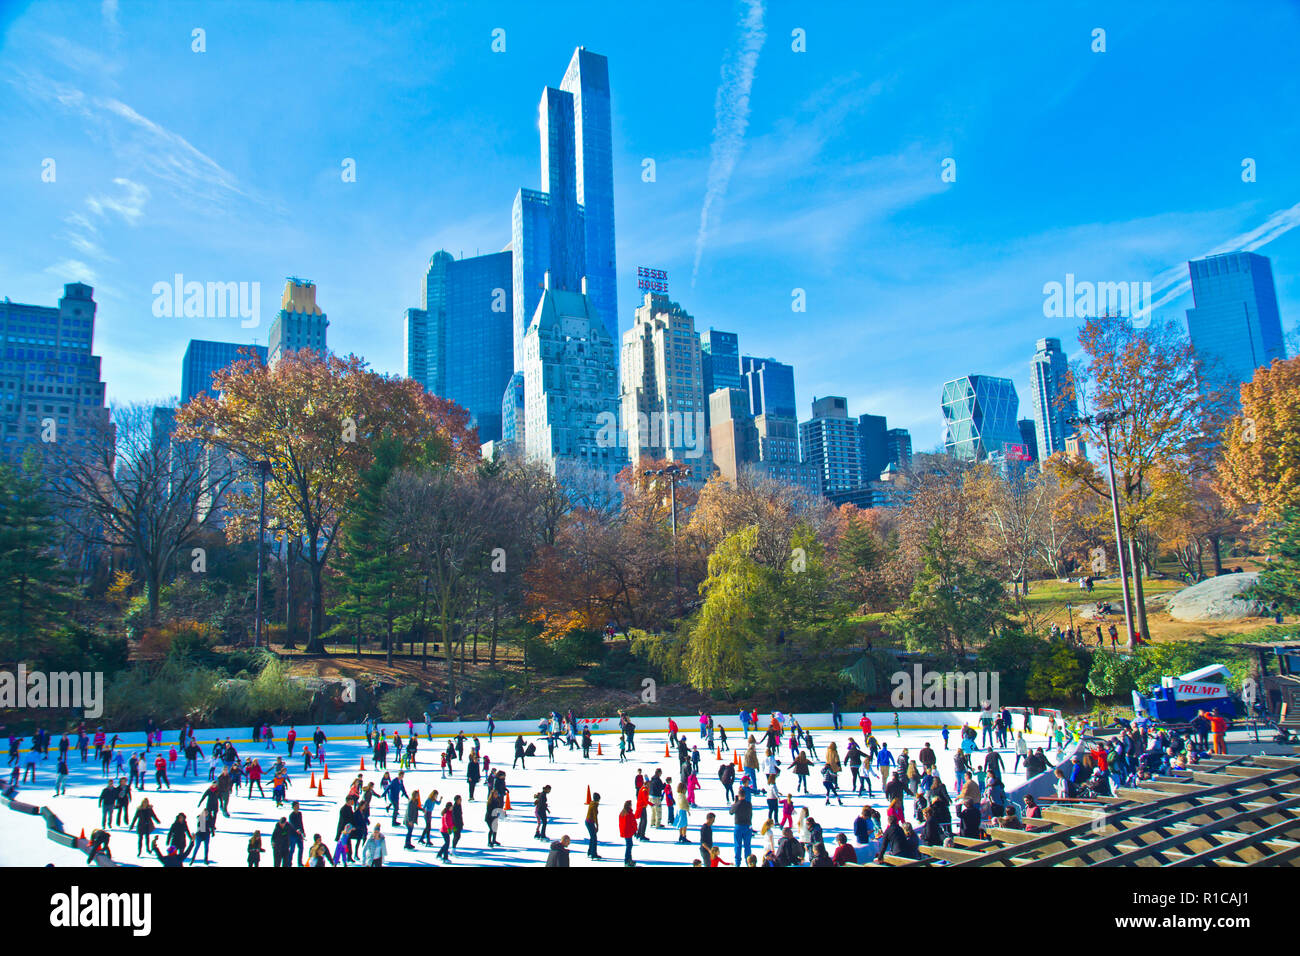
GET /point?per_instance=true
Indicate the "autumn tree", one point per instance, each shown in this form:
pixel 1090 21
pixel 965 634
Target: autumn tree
pixel 1260 469
pixel 314 418
pixel 1167 419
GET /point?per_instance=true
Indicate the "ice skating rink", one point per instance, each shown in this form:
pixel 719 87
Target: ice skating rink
pixel 22 841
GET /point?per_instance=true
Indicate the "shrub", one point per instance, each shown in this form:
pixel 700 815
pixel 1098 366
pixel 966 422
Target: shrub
pixel 401 704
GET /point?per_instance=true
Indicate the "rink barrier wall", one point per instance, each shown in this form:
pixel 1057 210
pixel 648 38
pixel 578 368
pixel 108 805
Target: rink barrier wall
pixel 53 825
pixel 882 723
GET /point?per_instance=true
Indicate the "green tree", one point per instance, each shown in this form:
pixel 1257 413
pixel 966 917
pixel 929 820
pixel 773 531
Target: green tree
pixel 953 607
pixel 34 585
pixel 1279 583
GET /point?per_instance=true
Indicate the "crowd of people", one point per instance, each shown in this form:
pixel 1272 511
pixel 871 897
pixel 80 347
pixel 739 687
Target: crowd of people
pixel 763 780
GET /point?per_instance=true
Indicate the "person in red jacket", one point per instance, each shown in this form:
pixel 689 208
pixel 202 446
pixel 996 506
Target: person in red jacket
pixel 627 830
pixel 672 731
pixel 642 810
pixel 253 774
pixel 844 852
pixel 865 724
pixel 1219 727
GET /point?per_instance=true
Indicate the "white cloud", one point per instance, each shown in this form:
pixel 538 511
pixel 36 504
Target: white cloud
pixel 129 204
pixel 72 270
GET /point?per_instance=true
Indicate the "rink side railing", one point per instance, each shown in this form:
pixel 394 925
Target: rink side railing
pixel 53 825
pixel 882 724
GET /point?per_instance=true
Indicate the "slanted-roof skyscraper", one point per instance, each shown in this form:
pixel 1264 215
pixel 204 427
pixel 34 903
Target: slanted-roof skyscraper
pixel 1234 326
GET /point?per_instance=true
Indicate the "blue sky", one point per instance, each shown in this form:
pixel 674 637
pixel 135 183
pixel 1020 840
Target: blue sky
pixel 822 168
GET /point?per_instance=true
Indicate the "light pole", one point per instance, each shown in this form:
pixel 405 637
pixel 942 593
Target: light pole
pixel 1107 421
pixel 673 474
pixel 263 472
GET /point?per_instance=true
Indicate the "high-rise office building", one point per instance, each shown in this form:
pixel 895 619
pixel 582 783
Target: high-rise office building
pixel 830 445
pixel 873 446
pixel 203 359
pixel 587 82
pixel 766 445
pixel 571 387
pixel 566 228
pixel 899 443
pixel 1234 325
pixel 663 386
pixel 770 385
pixel 51 387
pixel 1028 440
pixel 458 343
pixel 300 323
pixel 979 414
pixel 1052 394
pixel 720 360
pixel 513 415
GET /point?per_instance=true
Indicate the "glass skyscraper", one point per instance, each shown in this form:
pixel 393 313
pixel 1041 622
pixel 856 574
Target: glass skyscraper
pixel 720 357
pixel 1234 325
pixel 873 446
pixel 770 385
pixel 50 383
pixel 203 359
pixel 458 343
pixel 980 417
pixel 1052 398
pixel 587 81
pixel 567 227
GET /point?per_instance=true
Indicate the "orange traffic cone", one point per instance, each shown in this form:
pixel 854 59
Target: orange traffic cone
pixel 719 753
pixel 320 790
pixel 326 774
pixel 599 752
pixel 363 764
pixel 588 803
pixel 312 784
pixel 507 799
pixel 83 834
pixel 665 748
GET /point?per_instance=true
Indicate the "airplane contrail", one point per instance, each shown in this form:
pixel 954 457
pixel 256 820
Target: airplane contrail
pixel 730 118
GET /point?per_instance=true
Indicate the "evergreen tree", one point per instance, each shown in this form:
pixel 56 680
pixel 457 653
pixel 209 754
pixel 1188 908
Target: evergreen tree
pixel 953 608
pixel 34 586
pixel 1279 583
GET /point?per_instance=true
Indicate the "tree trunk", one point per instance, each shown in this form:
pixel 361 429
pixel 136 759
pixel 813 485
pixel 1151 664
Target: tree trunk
pixel 495 617
pixel 1139 599
pixel 1218 558
pixel 314 643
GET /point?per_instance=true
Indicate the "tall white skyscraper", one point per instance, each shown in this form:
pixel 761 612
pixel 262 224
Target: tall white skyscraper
pixel 663 386
pixel 570 390
pixel 1052 396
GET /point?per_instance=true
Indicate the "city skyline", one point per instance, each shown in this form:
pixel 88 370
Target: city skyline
pixel 890 258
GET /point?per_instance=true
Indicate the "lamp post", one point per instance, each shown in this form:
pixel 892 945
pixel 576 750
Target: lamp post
pixel 263 472
pixel 1106 421
pixel 672 474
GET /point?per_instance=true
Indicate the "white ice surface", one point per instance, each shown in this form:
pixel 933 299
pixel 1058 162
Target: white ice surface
pixel 22 841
